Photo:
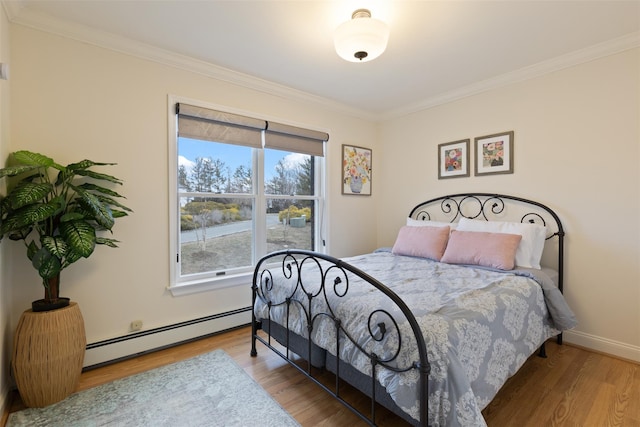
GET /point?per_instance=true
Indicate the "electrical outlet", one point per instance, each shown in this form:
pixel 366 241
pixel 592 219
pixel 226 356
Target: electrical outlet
pixel 4 71
pixel 136 325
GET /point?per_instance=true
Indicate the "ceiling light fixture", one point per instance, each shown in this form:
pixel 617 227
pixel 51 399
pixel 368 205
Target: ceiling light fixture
pixel 361 39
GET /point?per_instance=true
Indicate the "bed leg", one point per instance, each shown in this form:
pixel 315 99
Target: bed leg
pixel 542 352
pixel 253 352
pixel 254 330
pixel 559 339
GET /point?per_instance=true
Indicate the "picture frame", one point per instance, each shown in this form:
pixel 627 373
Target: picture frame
pixel 453 159
pixel 356 170
pixel 494 154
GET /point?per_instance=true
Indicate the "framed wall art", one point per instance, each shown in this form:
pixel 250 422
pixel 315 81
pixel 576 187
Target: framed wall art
pixel 453 159
pixel 494 153
pixel 356 170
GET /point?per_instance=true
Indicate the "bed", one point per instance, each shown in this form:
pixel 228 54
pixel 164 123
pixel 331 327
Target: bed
pixel 432 327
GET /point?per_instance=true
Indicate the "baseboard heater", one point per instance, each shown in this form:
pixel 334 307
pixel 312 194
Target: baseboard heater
pixel 135 344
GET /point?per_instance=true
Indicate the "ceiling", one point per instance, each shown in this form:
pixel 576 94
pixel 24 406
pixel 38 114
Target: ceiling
pixel 438 50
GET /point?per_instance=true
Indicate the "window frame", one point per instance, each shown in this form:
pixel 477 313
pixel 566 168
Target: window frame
pixel 178 285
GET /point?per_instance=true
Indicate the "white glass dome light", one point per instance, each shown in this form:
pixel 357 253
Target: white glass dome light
pixel 361 39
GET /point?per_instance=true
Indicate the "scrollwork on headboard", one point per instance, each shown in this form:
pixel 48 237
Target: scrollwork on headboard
pixel 485 206
pixel 494 207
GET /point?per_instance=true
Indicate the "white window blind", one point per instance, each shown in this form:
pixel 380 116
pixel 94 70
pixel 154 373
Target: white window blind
pixel 219 126
pixel 290 138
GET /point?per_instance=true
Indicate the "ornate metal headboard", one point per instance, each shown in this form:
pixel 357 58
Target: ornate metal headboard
pixel 494 207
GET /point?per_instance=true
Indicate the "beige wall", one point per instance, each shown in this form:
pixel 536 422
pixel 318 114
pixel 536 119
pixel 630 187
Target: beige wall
pixel 5 292
pixel 577 150
pixel 72 101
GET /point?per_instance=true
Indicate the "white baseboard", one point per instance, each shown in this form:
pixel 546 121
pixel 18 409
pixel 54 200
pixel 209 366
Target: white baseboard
pixel 144 341
pixel 123 347
pixel 603 345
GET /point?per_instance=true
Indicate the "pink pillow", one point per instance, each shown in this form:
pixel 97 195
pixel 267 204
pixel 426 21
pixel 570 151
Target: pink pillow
pixel 423 242
pixel 497 250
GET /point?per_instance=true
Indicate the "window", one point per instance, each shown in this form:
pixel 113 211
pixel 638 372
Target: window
pixel 244 187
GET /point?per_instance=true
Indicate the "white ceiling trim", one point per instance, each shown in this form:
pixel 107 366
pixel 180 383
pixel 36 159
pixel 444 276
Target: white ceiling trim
pixel 17 14
pixel 591 53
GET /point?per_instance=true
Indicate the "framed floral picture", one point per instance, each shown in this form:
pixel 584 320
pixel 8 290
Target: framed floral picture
pixel 356 170
pixel 494 153
pixel 453 159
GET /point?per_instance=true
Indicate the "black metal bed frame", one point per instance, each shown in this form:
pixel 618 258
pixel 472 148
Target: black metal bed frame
pixel 334 277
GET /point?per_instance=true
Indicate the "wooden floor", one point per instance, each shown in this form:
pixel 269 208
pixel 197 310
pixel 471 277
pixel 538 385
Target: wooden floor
pixel 572 387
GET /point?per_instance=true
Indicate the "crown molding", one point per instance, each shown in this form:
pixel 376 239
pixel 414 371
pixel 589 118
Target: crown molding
pixel 571 59
pixel 12 8
pixel 17 13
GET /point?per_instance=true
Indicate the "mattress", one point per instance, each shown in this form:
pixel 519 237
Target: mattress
pixel 480 325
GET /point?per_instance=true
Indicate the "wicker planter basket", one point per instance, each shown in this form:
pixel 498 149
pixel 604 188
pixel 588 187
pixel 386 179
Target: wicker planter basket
pixel 48 353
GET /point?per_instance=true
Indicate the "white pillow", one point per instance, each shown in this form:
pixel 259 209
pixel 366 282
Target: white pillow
pixel 426 223
pixel 530 248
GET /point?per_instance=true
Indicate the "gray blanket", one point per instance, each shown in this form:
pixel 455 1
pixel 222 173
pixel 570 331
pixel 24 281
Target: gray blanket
pixel 479 325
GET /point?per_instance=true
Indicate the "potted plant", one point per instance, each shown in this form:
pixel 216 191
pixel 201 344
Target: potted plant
pixel 58 212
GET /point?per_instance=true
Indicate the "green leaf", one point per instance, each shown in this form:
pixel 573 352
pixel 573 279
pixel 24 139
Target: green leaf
pixel 99 212
pixel 70 258
pixel 100 176
pixel 65 176
pixel 109 201
pixel 105 241
pixel 16 170
pixel 27 193
pixel 27 216
pixel 80 236
pixel 34 159
pixel 119 214
pixel 86 164
pixel 92 187
pixel 32 249
pixel 46 263
pixel 55 245
pixel 60 204
pixel 71 216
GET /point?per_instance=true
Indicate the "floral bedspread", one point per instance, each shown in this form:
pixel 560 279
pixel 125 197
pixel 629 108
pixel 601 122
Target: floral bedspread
pixel 480 326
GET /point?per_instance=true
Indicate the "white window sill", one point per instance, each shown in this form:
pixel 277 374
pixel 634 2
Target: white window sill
pixel 211 284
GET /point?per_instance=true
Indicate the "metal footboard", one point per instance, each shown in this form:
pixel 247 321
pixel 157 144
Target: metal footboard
pixel 326 280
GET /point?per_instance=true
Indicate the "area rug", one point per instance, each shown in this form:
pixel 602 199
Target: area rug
pixel 207 390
